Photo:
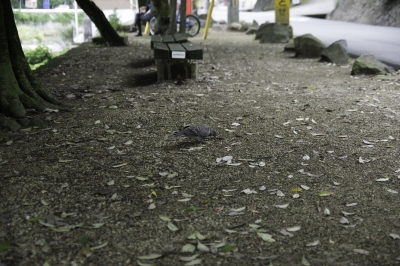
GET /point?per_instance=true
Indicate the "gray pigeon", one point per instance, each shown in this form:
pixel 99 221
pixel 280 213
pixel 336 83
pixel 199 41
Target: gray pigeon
pixel 196 132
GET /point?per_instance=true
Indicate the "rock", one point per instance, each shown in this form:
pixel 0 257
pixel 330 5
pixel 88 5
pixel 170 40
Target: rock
pixel 251 30
pixel 24 122
pixel 289 47
pixel 308 46
pixel 274 33
pixel 369 65
pixel 9 124
pixel 245 25
pixel 220 27
pixel 235 26
pixel 336 53
pixel 266 27
pixel 254 24
pixel 36 122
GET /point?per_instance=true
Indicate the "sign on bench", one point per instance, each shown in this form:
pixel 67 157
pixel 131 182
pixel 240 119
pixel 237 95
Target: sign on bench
pixel 174 56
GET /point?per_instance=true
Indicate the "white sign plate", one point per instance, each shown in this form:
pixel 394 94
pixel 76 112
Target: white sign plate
pixel 178 54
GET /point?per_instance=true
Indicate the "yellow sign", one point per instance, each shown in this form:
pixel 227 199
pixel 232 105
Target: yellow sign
pixel 282 8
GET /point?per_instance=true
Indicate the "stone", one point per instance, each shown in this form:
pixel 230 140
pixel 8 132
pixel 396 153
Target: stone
pixel 235 26
pixel 289 47
pixel 368 64
pixel 336 53
pixel 274 33
pixel 308 46
pixel 245 25
pixel 9 124
pixel 251 30
pixel 254 24
pixel 36 122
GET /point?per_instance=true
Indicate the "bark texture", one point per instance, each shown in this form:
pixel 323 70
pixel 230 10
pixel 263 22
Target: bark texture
pixel 161 10
pixel 172 14
pixel 19 88
pixel 101 22
pixel 182 17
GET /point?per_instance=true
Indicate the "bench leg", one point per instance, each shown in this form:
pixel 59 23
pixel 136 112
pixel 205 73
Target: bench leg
pixel 193 70
pixel 160 70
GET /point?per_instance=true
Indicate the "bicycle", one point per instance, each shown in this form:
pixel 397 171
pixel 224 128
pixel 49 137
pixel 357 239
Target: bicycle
pixel 192 25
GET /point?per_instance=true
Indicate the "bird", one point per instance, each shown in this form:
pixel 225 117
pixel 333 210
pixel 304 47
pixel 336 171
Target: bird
pixel 179 80
pixel 196 132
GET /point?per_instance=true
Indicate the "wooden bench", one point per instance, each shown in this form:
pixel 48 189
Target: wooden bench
pixel 174 56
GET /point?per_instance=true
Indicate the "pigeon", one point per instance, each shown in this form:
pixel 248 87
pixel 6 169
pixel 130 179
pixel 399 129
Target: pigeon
pixel 196 132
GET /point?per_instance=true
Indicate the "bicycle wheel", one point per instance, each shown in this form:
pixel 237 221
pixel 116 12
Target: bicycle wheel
pixel 192 25
pixel 152 25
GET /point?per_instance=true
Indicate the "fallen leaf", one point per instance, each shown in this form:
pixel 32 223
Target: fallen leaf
pixel 202 247
pixel 285 233
pixel 284 206
pixel 361 251
pixel 304 187
pixel 193 262
pixel 266 237
pixel 165 218
pixel 239 209
pixel 394 236
pixel 343 220
pixel 249 191
pixel 172 227
pixel 382 179
pixel 189 258
pixel 188 248
pixel 324 193
pixel 150 257
pixel 305 262
pixel 293 228
pixel 99 246
pixel 313 244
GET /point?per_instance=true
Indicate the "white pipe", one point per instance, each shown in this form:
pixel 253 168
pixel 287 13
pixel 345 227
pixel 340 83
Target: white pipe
pixel 76 19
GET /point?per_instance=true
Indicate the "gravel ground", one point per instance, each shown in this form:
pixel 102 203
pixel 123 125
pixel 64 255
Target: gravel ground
pixel 304 170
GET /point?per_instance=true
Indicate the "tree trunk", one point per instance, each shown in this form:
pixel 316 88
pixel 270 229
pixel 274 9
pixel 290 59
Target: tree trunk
pixel 19 88
pixel 101 22
pixel 160 10
pixel 264 5
pixel 182 17
pixel 172 15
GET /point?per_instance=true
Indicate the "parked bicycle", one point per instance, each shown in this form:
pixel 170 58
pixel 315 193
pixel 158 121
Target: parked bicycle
pixel 192 25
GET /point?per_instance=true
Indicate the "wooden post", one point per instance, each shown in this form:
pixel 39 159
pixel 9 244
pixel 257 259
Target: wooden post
pixel 182 24
pixel 282 8
pixel 172 18
pixel 208 20
pixel 233 11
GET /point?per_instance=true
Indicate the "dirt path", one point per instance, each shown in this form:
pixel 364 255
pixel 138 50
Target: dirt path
pixel 313 177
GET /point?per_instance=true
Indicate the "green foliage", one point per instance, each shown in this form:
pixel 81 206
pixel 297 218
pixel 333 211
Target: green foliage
pixel 115 22
pixel 53 3
pixel 64 18
pixel 27 33
pixel 67 34
pixel 30 18
pixel 39 55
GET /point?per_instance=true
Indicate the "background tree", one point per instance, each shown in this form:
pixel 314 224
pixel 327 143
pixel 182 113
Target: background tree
pixel 19 89
pixel 161 11
pixel 263 5
pixel 103 25
pixel 182 17
pixel 172 20
pixel 53 3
